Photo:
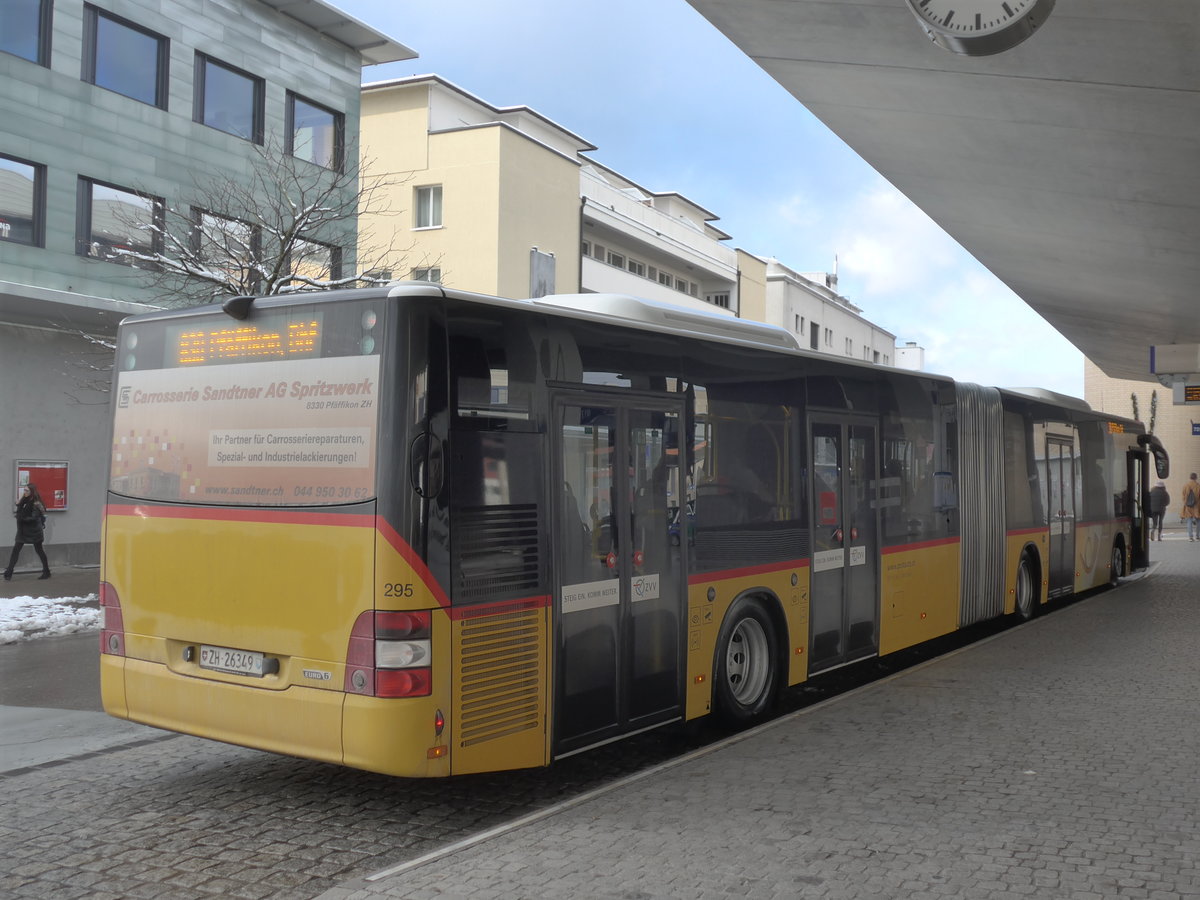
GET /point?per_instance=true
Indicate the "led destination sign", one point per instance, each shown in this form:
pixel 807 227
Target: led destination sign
pixel 225 343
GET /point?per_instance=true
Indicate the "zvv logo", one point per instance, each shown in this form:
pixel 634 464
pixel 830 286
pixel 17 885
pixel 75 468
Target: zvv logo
pixel 123 398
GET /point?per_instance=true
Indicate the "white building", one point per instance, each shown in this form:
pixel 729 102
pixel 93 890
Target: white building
pixel 809 306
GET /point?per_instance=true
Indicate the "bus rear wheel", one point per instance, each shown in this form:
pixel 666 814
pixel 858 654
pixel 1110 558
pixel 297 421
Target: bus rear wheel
pixel 747 664
pixel 1026 606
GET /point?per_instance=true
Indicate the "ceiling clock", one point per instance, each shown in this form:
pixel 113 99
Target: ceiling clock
pixel 980 27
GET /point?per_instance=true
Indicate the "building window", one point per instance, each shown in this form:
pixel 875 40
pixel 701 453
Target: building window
pixel 427 274
pixel 22 202
pixel 616 259
pixel 117 224
pixel 586 249
pixel 849 346
pixel 721 300
pixel 828 337
pixel 125 58
pixel 314 264
pixel 664 278
pixel 814 336
pixel 652 273
pixel 694 289
pixel 228 99
pixel 227 245
pixel 637 268
pixel 429 206
pixel 315 133
pixel 681 285
pixel 598 251
pixel 25 29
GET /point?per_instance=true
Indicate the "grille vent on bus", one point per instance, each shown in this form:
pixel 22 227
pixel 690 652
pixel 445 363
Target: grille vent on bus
pixel 498 552
pixel 734 547
pixel 500 676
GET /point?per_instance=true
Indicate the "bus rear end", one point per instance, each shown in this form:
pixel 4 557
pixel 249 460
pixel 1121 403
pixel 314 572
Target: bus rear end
pixel 241 542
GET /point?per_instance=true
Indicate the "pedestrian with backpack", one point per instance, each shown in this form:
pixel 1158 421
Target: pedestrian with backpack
pixel 1191 507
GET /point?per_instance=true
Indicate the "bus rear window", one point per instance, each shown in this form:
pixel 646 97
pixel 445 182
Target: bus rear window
pixel 277 410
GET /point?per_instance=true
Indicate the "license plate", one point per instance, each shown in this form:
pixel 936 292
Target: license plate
pixel 236 662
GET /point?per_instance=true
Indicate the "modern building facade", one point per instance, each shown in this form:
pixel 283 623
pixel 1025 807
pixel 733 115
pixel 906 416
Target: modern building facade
pixel 117 109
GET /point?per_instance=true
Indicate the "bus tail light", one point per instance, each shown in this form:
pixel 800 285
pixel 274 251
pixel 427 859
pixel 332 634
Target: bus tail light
pixel 389 655
pixel 112 626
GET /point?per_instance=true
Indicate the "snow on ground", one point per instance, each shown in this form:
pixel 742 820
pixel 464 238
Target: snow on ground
pixel 26 618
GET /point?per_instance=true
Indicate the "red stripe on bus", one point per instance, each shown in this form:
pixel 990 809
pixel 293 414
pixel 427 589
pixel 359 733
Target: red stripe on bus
pixel 748 570
pixel 1017 532
pixel 270 516
pixel 401 546
pixel 920 545
pixel 461 613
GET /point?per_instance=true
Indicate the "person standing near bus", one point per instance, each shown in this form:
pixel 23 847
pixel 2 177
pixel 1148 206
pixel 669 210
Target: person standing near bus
pixel 31 529
pixel 1159 501
pixel 1191 507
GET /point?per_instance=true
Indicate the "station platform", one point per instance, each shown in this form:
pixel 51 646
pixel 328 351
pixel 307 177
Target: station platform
pixel 1057 759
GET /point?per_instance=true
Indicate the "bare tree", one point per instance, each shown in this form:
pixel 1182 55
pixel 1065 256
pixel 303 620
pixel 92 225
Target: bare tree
pixel 89 366
pixel 285 226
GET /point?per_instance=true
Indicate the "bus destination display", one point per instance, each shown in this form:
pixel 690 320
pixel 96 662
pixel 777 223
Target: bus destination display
pixel 223 343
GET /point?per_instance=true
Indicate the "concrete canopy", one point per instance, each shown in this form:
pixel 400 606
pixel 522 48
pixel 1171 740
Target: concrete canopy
pixel 1069 166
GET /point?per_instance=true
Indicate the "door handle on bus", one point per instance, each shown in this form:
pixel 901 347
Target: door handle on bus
pixel 425 465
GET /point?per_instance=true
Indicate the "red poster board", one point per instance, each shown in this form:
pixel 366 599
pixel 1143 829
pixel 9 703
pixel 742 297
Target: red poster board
pixel 50 479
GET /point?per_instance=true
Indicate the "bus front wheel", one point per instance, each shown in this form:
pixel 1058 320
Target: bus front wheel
pixel 747 664
pixel 1118 564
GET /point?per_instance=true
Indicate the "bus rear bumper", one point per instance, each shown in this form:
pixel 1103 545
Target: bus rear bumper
pixel 298 721
pixel 368 733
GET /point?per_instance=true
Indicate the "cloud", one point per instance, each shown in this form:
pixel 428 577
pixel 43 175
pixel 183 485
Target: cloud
pixel 913 279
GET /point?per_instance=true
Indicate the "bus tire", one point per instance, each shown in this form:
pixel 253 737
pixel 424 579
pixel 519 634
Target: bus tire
pixel 1026 589
pixel 747 664
pixel 1117 568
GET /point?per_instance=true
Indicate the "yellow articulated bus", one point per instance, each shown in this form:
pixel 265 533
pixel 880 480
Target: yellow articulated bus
pixel 426 533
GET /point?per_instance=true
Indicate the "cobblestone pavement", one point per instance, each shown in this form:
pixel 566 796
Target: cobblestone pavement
pixel 1054 760
pixel 165 815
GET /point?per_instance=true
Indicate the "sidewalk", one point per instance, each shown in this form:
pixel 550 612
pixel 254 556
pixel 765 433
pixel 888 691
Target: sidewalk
pixel 1057 759
pixel 69 581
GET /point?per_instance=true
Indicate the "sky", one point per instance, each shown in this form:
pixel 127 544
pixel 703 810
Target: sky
pixel 673 105
pixel 28 618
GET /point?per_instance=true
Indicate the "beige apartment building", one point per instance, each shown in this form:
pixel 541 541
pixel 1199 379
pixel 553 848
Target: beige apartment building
pixel 1172 424
pixel 505 201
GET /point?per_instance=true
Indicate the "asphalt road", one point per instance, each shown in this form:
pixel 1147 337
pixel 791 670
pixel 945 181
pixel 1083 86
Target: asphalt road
pixel 56 672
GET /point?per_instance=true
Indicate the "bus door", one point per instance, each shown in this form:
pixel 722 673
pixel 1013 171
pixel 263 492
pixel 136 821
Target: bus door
pixel 844 612
pixel 620 598
pixel 1060 459
pixel 1138 508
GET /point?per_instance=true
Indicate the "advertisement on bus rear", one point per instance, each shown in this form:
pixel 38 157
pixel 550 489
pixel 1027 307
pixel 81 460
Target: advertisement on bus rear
pixel 289 433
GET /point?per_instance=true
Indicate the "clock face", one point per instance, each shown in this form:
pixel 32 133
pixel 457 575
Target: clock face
pixel 980 27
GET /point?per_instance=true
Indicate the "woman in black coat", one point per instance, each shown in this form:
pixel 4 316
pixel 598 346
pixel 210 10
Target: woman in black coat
pixel 31 529
pixel 1159 501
